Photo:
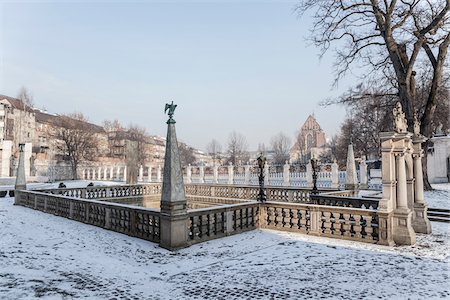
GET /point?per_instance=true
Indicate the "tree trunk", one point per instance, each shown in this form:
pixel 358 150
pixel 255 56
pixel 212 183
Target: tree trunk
pixel 426 184
pixel 74 170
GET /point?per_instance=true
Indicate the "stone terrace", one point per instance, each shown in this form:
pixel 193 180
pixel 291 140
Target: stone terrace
pixel 50 256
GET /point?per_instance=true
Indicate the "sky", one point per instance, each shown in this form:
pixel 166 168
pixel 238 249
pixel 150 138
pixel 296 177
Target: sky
pixel 241 66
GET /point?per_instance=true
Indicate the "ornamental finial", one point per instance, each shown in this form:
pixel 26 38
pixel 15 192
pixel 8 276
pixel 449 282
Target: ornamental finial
pixel 171 108
pixel 400 124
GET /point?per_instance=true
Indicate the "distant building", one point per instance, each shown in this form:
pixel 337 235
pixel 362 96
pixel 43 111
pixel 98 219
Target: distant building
pixel 310 141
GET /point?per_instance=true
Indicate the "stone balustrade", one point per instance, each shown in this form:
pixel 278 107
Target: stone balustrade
pixel 212 223
pixel 221 211
pixel 276 175
pixel 329 221
pixel 131 220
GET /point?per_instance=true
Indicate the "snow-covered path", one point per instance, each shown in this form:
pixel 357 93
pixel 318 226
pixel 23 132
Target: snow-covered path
pixel 42 255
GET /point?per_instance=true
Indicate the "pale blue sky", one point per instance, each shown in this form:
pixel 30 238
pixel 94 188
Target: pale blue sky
pixel 229 65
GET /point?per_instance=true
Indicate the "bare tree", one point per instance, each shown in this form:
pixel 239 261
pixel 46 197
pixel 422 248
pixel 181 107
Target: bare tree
pixel 186 154
pixel 26 108
pixel 300 149
pixel 214 149
pixel 75 139
pixel 135 151
pixel 237 148
pixel 389 37
pixel 281 145
pixel 113 125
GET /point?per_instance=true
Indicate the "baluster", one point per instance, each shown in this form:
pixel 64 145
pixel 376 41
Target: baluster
pixel 275 219
pixel 283 217
pixel 326 224
pixel 357 227
pixel 332 223
pixel 346 226
pixel 365 225
pixel 292 218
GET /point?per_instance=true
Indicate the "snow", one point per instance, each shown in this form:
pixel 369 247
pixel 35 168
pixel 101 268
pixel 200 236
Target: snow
pixel 46 256
pixel 439 197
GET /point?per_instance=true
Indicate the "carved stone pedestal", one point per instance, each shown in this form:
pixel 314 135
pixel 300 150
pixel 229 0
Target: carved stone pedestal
pixel 420 221
pixel 403 232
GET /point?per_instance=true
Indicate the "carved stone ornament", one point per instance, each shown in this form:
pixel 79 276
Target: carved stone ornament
pixel 400 124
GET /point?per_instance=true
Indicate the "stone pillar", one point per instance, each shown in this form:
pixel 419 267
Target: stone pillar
pixel 230 173
pixel 309 179
pixel 27 156
pixel 403 233
pixel 105 173
pixel 6 158
pixel 409 181
pixel 266 174
pixel 202 175
pixel 247 175
pixel 351 180
pixel 21 180
pixel 334 175
pixel 189 174
pixel 286 174
pixel 174 217
pixel 216 174
pixel 125 173
pixel 158 174
pixel 99 173
pixel 388 200
pixel 149 173
pixel 141 173
pixel 421 224
pixel 363 180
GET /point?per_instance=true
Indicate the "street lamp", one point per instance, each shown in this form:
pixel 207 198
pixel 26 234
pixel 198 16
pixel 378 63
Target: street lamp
pixel 261 163
pixel 314 165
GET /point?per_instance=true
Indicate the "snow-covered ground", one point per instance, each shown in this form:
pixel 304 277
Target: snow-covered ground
pixel 439 197
pixel 42 255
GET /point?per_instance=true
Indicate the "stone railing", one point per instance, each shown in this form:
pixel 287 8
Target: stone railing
pixel 335 222
pixel 226 210
pixel 131 220
pixel 212 223
pixel 344 199
pixel 281 194
pixel 275 175
pixel 114 191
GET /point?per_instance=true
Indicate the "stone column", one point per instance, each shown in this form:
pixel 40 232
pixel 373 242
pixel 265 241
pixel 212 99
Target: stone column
pixel 6 158
pixel 230 173
pixel 334 175
pixel 149 173
pixel 27 156
pixel 403 233
pixel 99 173
pixel 309 179
pixel 216 174
pixel 420 223
pixel 158 174
pixel 247 175
pixel 141 173
pixel 125 173
pixel 202 175
pixel 351 180
pixel 286 174
pixel 363 180
pixel 189 174
pixel 21 180
pixel 174 217
pixel 105 173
